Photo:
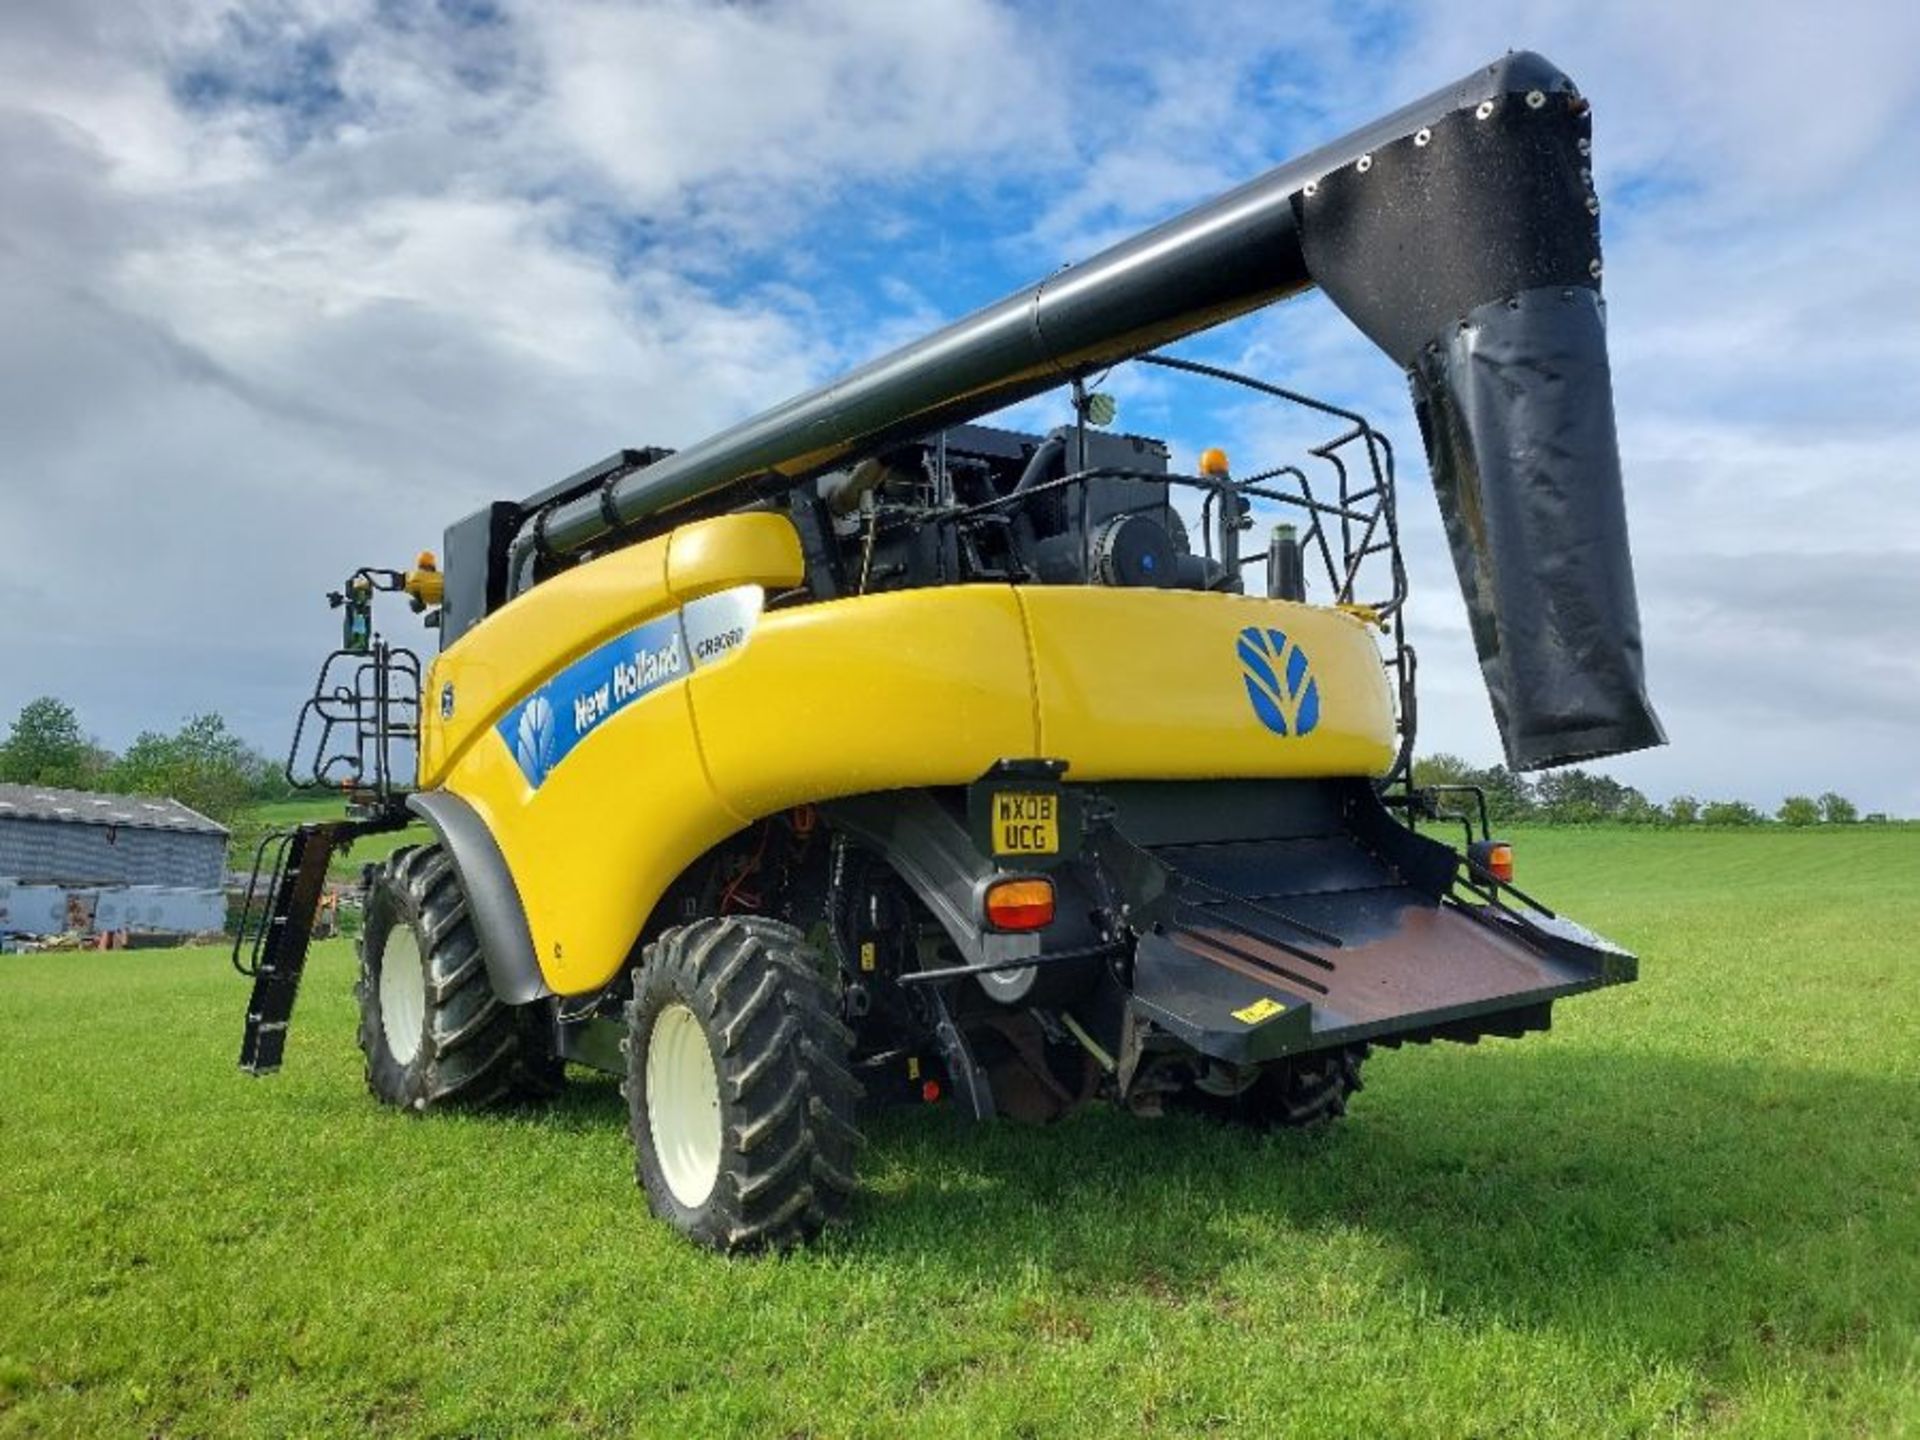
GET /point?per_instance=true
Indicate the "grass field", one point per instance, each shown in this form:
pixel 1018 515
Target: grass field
pixel 284 814
pixel 1694 1207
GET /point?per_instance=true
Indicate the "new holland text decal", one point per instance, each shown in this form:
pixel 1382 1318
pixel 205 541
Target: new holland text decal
pixel 1280 683
pixel 543 728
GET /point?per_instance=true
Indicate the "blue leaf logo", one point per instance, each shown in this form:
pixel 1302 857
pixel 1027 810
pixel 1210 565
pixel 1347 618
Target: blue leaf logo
pixel 1280 683
pixel 533 745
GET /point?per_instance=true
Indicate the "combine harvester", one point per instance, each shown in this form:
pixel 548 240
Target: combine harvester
pixel 860 753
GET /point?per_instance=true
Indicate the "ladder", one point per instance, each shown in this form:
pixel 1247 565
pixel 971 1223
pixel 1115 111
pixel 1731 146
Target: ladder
pixel 272 949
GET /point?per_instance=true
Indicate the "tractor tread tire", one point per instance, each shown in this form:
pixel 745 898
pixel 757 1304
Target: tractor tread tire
pixel 475 1051
pixel 786 1087
pixel 1309 1090
pixel 1305 1092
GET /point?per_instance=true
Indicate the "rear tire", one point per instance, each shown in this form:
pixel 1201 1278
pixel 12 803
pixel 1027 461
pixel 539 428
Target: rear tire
pixel 740 1097
pixel 432 1030
pixel 1294 1094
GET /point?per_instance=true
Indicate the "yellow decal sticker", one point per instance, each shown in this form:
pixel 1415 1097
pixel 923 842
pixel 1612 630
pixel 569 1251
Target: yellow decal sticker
pixel 913 1067
pixel 1025 823
pixel 1260 1010
pixel 866 955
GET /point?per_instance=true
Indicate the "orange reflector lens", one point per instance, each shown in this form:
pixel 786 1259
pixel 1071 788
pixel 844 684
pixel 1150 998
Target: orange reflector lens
pixel 1213 461
pixel 1020 904
pixel 1493 857
pixel 930 1091
pixel 1500 863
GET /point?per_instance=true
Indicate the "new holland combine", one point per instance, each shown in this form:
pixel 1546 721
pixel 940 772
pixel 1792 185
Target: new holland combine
pixel 863 753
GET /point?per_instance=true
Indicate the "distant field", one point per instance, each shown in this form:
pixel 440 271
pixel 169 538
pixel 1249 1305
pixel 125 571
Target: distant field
pixel 1693 1208
pixel 283 814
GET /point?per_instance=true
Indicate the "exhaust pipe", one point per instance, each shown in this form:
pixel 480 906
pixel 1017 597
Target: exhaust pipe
pixel 1461 235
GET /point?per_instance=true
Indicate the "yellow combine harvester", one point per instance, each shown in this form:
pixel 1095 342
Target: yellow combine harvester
pixel 862 753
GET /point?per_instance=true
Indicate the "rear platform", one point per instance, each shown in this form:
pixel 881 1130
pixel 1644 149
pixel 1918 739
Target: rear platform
pixel 1340 926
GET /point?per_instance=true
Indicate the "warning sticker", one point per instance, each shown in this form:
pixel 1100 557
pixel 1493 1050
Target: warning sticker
pixel 1260 1010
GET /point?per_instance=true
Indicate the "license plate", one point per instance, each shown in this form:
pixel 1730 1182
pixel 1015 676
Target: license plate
pixel 1025 823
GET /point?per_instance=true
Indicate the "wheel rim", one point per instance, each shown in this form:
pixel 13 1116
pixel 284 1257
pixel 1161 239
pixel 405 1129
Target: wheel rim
pixel 403 994
pixel 683 1105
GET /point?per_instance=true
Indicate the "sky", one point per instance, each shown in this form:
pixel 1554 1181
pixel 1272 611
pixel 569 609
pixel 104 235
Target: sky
pixel 287 287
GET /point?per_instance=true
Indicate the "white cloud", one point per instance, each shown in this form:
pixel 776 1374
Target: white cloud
pixel 287 287
pixel 666 99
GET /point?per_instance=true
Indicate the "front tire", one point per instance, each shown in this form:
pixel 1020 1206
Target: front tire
pixel 740 1097
pixel 432 1030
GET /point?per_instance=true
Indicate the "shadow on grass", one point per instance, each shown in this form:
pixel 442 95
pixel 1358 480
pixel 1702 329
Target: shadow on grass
pixel 1668 1196
pixel 1692 1205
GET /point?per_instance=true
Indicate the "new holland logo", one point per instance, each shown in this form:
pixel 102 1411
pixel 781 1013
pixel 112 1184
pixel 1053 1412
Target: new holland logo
pixel 543 729
pixel 1280 683
pixel 533 745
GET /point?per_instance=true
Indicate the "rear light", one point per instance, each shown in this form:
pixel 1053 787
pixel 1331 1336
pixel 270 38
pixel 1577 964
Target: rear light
pixel 1495 857
pixel 1020 904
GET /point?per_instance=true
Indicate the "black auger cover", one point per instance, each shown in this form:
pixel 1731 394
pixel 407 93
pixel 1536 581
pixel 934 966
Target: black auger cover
pixel 1470 252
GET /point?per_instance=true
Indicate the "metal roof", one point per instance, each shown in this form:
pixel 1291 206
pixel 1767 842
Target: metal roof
pixel 85 807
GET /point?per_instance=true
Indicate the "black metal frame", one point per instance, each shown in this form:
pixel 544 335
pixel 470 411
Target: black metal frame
pixel 252 926
pixel 1422 803
pixel 270 946
pixel 365 705
pixel 362 708
pixel 1363 504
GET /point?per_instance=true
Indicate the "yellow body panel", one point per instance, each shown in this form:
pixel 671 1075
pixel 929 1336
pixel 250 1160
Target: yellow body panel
pixel 592 849
pixel 733 550
pixel 493 665
pixel 908 688
pixel 1146 685
pixel 916 687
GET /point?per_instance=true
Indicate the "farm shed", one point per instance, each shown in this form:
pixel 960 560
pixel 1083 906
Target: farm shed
pixel 107 862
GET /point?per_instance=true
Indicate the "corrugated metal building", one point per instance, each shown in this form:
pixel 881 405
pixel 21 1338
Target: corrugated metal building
pixel 119 855
pixel 75 837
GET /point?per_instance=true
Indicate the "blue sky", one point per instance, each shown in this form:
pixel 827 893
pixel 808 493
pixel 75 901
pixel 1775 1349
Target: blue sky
pixel 289 286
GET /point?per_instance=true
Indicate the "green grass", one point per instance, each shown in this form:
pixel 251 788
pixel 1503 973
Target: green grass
pixel 284 814
pixel 1694 1207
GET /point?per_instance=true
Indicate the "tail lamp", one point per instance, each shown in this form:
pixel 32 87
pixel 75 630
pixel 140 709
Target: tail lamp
pixel 1025 904
pixel 1495 857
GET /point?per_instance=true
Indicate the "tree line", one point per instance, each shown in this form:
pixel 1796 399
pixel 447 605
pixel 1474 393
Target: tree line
pixel 1580 797
pixel 203 764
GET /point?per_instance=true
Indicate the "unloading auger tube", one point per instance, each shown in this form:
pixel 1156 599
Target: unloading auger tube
pixel 1460 233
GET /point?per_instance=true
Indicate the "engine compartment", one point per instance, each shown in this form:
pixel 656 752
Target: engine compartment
pixel 1072 507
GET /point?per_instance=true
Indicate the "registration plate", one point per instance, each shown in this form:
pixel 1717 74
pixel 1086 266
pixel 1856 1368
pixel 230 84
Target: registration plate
pixel 1026 823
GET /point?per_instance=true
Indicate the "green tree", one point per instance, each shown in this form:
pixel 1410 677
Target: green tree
pixel 1509 796
pixel 203 764
pixel 270 780
pixel 1683 810
pixel 1440 769
pixel 1580 797
pixel 1798 810
pixel 1639 810
pixel 1730 812
pixel 46 747
pixel 1836 809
